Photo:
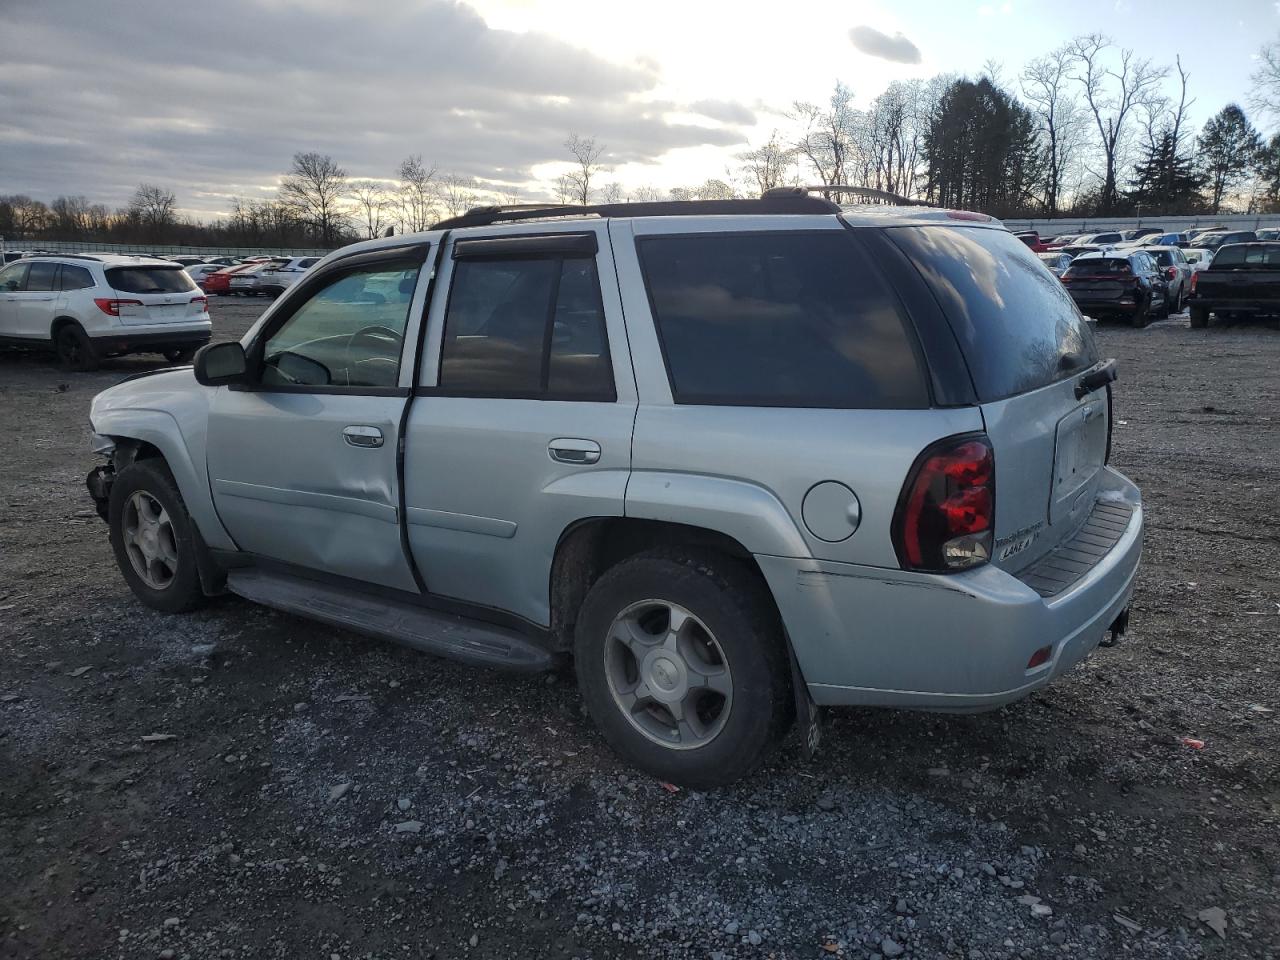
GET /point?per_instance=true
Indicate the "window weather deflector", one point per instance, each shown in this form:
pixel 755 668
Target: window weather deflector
pixel 543 245
pixel 1096 379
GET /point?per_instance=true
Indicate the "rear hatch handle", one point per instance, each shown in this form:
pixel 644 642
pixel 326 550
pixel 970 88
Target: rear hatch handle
pixel 1096 379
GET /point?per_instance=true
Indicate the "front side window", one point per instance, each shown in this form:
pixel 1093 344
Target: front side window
pixel 349 333
pixel 529 328
pixel 13 277
pixel 43 276
pixel 785 319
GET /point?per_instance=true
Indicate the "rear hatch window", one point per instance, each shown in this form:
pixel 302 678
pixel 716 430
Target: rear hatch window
pixel 1238 257
pixel 1099 267
pixel 150 279
pixel 780 319
pixel 1017 326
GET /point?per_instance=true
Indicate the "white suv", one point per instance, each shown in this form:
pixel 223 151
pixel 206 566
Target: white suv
pixel 88 307
pixel 276 277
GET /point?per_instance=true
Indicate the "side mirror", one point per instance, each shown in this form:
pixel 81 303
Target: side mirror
pixel 220 363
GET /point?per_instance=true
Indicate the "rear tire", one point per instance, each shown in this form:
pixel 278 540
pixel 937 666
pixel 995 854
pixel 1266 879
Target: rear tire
pixel 76 352
pixel 153 538
pixel 682 664
pixel 1199 318
pixel 1142 315
pixel 180 354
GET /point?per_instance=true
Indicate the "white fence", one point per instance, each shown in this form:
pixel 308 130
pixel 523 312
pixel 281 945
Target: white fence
pixel 167 250
pixel 1166 224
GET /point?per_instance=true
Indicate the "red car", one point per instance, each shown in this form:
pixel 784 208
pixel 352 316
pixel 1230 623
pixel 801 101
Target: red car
pixel 219 281
pixel 1032 239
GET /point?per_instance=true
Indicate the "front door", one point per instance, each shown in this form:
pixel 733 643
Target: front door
pixel 303 460
pixel 523 423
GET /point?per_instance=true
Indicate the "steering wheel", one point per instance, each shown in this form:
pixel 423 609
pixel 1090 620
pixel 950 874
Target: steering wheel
pixel 384 340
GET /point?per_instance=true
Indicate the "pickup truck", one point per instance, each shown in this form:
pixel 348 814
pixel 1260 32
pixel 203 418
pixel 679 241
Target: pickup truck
pixel 1244 278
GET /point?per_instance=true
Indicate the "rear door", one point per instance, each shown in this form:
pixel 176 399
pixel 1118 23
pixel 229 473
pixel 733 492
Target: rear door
pixel 150 294
pixel 1027 348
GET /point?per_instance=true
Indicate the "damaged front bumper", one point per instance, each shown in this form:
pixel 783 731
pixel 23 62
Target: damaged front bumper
pixel 99 483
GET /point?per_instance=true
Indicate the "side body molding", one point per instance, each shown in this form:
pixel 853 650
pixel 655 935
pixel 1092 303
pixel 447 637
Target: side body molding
pixel 747 512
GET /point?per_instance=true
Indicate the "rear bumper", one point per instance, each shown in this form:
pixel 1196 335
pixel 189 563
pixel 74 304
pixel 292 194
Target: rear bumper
pixel 1237 306
pixel 1108 307
pixel 154 337
pixel 877 637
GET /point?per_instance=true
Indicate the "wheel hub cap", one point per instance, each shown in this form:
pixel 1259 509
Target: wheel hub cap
pixel 149 540
pixel 668 674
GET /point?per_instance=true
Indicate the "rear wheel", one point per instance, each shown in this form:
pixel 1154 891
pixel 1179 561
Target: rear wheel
pixel 1177 303
pixel 180 354
pixel 1199 318
pixel 1142 314
pixel 154 539
pixel 683 666
pixel 76 351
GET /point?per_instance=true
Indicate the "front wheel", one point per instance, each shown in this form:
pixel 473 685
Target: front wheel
pixel 154 539
pixel 180 354
pixel 683 666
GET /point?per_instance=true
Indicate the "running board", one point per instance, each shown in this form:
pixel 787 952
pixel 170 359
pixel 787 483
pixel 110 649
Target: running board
pixel 431 631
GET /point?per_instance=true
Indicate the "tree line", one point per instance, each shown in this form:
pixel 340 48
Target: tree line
pixel 1089 129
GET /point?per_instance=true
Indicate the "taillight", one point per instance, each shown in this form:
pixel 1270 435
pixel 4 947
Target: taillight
pixel 946 513
pixel 112 307
pixel 1171 273
pixel 1195 277
pixel 203 300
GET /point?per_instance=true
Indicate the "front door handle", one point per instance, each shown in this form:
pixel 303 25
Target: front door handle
pixel 571 450
pixel 359 435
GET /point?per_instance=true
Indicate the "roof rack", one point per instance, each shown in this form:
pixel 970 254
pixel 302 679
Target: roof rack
pixel 67 256
pixel 795 201
pixel 869 193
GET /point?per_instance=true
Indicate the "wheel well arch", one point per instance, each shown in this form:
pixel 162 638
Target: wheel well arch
pixel 60 322
pixel 589 547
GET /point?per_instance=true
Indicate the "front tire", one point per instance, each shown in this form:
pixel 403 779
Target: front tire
pixel 180 354
pixel 683 666
pixel 76 352
pixel 153 538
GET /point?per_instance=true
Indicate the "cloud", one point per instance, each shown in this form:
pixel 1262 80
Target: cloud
pixel 876 44
pixel 216 105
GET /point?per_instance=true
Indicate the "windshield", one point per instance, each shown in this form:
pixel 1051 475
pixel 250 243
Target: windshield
pixel 1018 327
pixel 150 279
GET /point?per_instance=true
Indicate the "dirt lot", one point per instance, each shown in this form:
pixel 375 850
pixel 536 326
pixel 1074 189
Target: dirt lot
pixel 481 816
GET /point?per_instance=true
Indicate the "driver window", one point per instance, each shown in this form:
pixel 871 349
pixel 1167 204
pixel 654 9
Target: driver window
pixel 348 334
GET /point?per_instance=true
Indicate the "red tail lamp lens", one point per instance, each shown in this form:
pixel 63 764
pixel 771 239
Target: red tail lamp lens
pixel 946 514
pixel 1040 657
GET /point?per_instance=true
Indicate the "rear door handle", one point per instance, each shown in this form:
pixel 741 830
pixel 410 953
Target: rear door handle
pixel 572 450
pixel 359 435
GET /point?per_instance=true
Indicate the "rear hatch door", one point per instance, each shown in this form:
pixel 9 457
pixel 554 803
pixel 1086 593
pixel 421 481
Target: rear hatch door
pixel 1099 280
pixel 1029 353
pixel 1248 272
pixel 155 294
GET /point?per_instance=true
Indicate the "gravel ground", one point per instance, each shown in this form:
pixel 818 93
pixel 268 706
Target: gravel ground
pixel 241 783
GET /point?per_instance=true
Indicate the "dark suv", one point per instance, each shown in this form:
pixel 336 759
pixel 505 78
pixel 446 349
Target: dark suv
pixel 1108 285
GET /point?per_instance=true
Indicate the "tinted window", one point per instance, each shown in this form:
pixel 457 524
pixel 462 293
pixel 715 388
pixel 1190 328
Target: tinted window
pixel 780 319
pixel 12 276
pixel 1018 327
pixel 1247 256
pixel 1096 266
pixel 309 262
pixel 348 334
pixel 526 328
pixel 42 276
pixel 75 278
pixel 150 279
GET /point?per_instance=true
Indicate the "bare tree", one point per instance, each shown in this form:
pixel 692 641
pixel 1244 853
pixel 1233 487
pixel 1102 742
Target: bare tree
pixel 586 159
pixel 314 188
pixel 894 135
pixel 1045 87
pixel 1111 94
pixel 611 192
pixel 1265 96
pixel 828 136
pixel 646 194
pixel 457 194
pixel 372 204
pixel 564 189
pixel 151 206
pixel 766 166
pixel 416 200
pixel 22 217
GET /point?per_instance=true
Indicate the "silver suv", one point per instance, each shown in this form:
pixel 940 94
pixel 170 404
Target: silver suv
pixel 739 460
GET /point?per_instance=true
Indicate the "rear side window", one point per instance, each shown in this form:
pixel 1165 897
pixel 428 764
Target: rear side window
pixel 1248 256
pixel 531 328
pixel 1018 327
pixel 150 279
pixel 780 319
pixel 42 276
pixel 76 278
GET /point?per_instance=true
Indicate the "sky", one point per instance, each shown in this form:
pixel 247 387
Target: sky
pixel 213 99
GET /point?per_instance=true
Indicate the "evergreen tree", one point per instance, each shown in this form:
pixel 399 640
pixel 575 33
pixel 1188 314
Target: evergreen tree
pixel 1229 147
pixel 1165 182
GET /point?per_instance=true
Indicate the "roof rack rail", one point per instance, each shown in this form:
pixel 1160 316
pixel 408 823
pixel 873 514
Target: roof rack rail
pixel 869 193
pixel 69 256
pixel 794 202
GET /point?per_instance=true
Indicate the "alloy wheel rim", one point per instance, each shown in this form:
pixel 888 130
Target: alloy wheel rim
pixel 668 674
pixel 150 540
